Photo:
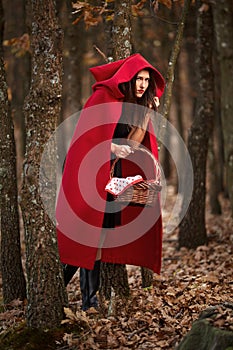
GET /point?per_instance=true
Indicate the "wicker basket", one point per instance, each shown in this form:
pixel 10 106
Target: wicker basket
pixel 143 193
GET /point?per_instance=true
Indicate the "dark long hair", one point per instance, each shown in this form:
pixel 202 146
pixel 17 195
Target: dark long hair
pixel 133 114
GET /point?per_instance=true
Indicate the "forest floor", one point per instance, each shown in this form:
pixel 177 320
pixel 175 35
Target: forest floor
pixel 154 318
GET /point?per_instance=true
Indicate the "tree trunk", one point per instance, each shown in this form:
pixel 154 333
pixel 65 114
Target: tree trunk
pixel 192 230
pixel 114 276
pixel 223 25
pixel 121 31
pixel 147 277
pixel 18 75
pixel 13 281
pixel 107 26
pixel 216 150
pixel 121 35
pixel 214 190
pixel 218 135
pixel 72 61
pixel 46 292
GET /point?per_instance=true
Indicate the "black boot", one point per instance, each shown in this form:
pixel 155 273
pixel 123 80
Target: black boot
pixel 94 282
pixel 89 285
pixel 69 271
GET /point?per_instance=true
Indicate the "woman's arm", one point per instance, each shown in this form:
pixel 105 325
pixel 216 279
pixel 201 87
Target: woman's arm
pixel 137 133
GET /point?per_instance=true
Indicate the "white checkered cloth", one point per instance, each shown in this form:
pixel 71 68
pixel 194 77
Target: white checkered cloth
pixel 117 185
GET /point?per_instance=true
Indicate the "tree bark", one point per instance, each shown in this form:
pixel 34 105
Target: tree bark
pixel 114 276
pixel 147 277
pixel 46 291
pixel 13 280
pixel 192 230
pixel 121 31
pixel 223 25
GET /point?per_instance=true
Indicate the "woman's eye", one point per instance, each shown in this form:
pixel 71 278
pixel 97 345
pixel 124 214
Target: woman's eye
pixel 141 79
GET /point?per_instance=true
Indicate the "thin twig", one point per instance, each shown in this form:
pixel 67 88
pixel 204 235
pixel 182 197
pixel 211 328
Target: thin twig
pixel 137 331
pixel 101 53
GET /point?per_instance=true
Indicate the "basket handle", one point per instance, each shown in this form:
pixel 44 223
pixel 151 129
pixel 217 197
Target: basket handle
pixel 157 172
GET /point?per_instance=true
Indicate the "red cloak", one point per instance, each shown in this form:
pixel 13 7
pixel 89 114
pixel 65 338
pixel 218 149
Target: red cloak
pixel 82 197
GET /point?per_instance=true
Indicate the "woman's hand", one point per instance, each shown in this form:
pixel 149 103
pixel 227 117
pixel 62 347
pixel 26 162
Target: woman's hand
pixel 157 102
pixel 121 151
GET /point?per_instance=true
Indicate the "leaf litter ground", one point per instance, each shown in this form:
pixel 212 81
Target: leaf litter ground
pixel 191 281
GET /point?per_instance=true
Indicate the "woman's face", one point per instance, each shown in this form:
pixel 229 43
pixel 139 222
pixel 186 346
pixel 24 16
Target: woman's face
pixel 142 82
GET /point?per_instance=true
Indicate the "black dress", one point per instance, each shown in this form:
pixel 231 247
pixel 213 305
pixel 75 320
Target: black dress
pixel 112 215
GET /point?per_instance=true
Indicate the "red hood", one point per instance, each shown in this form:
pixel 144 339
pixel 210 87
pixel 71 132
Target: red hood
pixel 112 74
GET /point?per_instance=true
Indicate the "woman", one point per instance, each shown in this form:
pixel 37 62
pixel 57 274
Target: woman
pixel 90 225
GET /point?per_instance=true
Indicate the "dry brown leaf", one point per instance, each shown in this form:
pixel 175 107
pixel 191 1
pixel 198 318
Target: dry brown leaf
pixel 167 3
pixel 211 277
pixel 20 45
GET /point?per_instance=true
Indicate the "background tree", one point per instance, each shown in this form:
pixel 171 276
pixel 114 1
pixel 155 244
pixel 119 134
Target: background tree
pixel 42 108
pixel 223 26
pixel 192 230
pixel 172 66
pixel 108 17
pixel 13 281
pixel 17 56
pixel 114 276
pixel 73 51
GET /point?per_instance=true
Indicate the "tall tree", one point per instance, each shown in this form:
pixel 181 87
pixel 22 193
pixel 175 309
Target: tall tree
pixel 108 17
pixel 216 146
pixel 73 52
pixel 13 281
pixel 192 230
pixel 114 276
pixel 46 292
pixel 223 25
pixel 18 72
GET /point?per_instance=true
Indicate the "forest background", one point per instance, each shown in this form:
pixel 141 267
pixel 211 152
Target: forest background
pixel 47 50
